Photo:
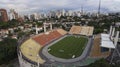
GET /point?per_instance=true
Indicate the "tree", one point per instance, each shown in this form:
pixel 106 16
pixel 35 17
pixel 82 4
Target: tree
pixel 100 63
pixel 8 50
pixel 20 34
pixel 98 30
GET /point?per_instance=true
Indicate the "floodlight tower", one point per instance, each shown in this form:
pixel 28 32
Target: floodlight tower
pixel 110 32
pixel 115 44
pixel 36 29
pixel 44 27
pixel 113 33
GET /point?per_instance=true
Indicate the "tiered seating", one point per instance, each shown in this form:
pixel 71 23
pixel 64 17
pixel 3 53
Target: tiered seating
pixel 30 49
pixel 61 31
pixel 75 30
pixel 83 30
pixel 43 39
pixel 90 31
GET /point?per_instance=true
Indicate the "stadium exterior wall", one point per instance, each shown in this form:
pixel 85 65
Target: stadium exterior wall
pixel 23 61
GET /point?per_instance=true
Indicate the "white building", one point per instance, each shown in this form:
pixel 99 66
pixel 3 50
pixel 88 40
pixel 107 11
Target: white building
pixel 63 12
pixel 13 14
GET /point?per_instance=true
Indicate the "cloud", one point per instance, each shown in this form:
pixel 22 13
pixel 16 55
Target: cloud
pixel 37 5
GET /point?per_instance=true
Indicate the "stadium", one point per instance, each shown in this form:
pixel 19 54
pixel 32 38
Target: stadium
pixel 60 48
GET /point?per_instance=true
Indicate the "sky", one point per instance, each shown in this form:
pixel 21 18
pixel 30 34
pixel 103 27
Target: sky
pixel 27 6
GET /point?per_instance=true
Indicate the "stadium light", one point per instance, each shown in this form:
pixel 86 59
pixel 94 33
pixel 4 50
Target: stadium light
pixel 38 60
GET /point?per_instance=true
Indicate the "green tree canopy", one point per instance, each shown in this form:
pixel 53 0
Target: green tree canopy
pixel 8 50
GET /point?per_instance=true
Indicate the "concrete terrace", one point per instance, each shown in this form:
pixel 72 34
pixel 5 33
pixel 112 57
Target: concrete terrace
pixel 82 30
pixel 30 50
pixel 31 47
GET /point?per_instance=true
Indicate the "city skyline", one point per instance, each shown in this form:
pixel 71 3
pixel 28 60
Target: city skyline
pixel 25 6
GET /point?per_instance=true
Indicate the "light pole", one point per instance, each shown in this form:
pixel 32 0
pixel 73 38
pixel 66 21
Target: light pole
pixel 38 60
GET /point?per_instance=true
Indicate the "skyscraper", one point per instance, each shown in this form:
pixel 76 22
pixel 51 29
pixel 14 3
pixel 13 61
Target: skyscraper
pixel 3 15
pixel 13 14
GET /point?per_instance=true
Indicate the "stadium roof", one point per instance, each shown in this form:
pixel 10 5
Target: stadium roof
pixel 106 42
pixel 105 35
pixel 105 39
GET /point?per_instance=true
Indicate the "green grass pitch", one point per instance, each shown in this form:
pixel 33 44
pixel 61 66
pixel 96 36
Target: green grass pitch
pixel 68 47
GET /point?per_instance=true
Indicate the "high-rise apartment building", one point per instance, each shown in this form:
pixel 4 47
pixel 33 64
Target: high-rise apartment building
pixel 3 15
pixel 13 14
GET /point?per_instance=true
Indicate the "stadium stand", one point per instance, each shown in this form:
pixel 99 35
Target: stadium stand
pixel 75 30
pixel 43 39
pixel 61 31
pixel 82 30
pixel 30 49
pixel 90 31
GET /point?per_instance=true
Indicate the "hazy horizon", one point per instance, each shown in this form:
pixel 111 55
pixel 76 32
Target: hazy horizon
pixel 28 6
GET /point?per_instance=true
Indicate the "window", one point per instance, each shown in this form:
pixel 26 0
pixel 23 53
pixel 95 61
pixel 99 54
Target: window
pixel 103 49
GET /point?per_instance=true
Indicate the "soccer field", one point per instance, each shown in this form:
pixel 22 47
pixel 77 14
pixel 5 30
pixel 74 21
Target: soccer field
pixel 69 47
